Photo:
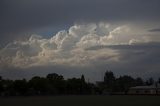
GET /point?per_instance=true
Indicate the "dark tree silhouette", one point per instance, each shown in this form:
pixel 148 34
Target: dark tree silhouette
pixel 109 81
pixel 83 79
pixel 150 81
pixel 124 83
pixel 54 84
pixel 57 83
pixel 158 80
pixel 139 81
pixel 55 76
pixel 1 85
pixel 38 85
pixel 20 87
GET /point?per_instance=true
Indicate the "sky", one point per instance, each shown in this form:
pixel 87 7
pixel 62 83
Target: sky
pixel 74 37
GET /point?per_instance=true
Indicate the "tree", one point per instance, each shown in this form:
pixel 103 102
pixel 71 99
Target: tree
pixel 139 81
pixel 159 80
pixel 1 85
pixel 38 85
pixel 124 83
pixel 109 81
pixel 74 86
pixel 8 87
pixel 150 81
pixel 57 83
pixel 20 87
pixel 82 78
pixel 109 77
pixel 54 76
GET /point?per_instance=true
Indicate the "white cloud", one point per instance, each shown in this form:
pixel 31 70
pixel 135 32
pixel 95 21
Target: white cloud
pixel 69 47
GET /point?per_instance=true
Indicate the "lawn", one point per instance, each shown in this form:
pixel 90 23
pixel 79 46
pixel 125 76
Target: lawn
pixel 81 101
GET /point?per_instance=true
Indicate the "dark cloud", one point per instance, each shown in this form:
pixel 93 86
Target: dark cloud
pixel 67 71
pixel 135 60
pixel 24 16
pixel 139 60
pixel 154 30
pixel 18 19
pixel 150 46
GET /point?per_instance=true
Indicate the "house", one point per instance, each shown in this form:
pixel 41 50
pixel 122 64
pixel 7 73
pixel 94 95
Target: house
pixel 145 90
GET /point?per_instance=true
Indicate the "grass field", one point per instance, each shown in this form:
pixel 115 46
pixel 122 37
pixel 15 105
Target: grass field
pixel 81 101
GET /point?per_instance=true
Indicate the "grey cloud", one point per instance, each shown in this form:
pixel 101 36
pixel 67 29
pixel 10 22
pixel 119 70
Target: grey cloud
pixel 154 30
pixel 23 16
pixel 150 45
pixel 66 53
pixel 136 60
pixel 140 61
pixel 67 71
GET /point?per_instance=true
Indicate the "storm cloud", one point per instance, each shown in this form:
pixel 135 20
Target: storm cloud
pixel 73 37
pixel 21 18
pixel 84 48
pixel 154 30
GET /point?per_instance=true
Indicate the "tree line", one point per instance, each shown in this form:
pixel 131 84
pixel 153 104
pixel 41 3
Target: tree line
pixel 54 84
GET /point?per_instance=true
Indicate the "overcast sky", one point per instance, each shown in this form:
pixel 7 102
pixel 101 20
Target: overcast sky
pixel 74 37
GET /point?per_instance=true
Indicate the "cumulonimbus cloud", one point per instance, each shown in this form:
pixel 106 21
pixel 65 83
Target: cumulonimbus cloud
pixel 70 47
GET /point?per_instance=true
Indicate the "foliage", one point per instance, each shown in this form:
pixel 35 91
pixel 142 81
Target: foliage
pixel 54 84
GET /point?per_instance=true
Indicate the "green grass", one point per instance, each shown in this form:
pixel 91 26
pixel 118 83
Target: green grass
pixel 81 101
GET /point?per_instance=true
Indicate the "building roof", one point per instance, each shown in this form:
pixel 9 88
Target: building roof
pixel 147 87
pixel 143 87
